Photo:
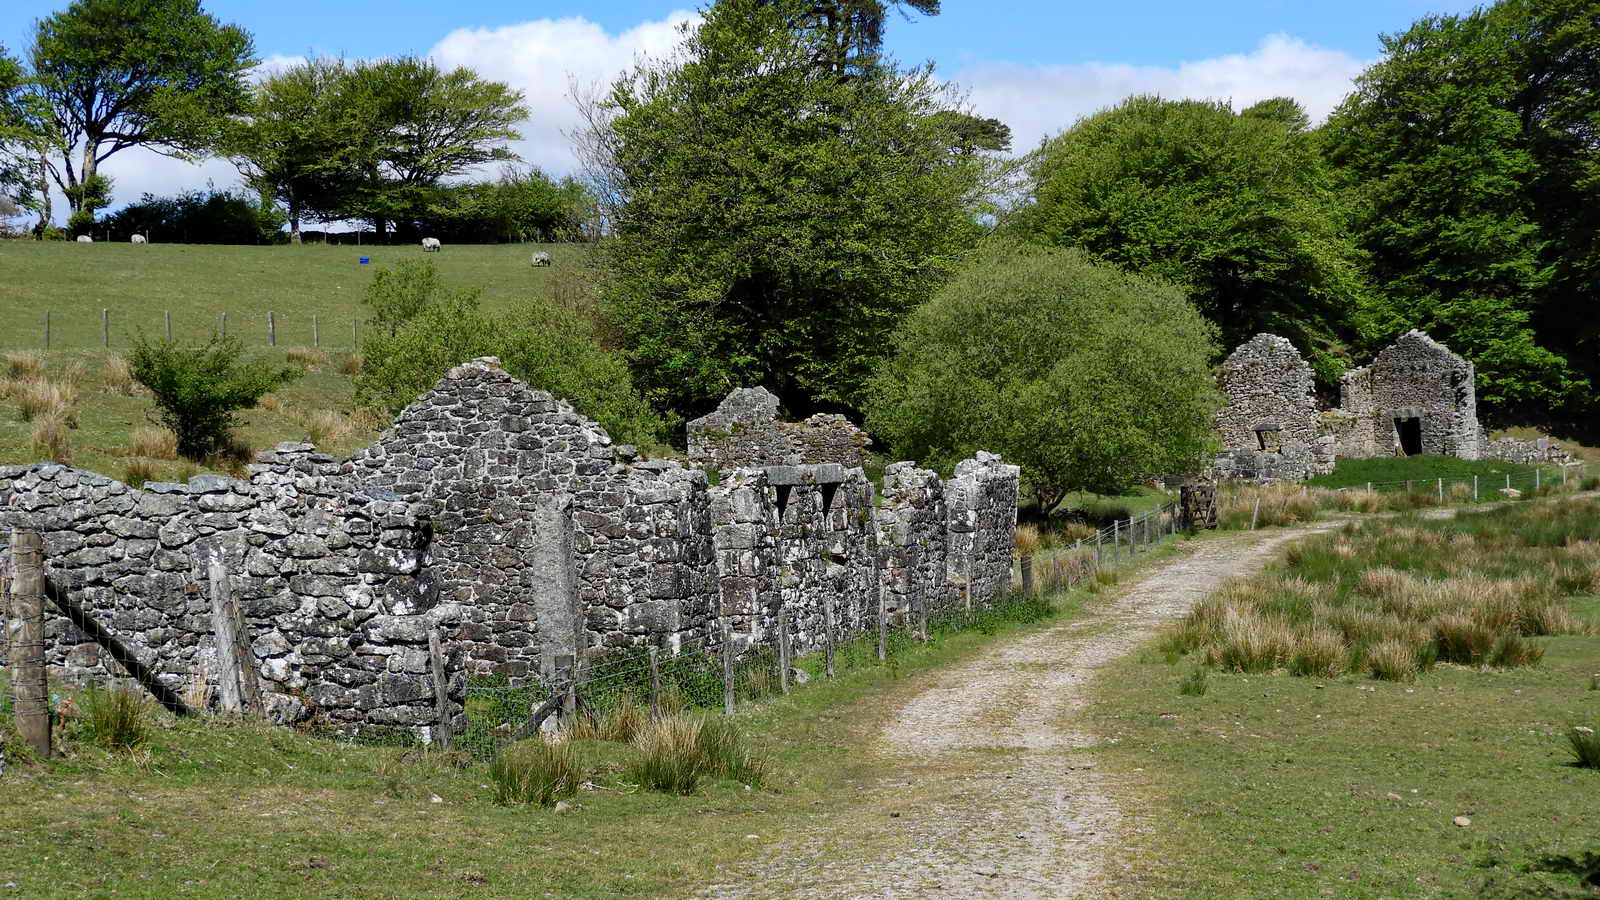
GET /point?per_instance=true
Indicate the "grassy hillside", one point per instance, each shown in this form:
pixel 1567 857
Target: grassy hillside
pixel 197 283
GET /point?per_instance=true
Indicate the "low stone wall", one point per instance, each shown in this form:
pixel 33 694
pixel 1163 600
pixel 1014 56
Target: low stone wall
pixel 497 519
pixel 1539 451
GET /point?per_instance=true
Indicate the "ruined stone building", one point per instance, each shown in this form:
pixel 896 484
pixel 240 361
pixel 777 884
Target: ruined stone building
pixel 497 521
pixel 1415 397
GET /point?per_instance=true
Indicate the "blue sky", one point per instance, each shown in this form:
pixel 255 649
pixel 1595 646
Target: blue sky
pixel 1035 64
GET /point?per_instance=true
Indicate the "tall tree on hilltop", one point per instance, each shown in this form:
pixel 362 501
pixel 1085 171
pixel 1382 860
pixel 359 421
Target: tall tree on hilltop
pixel 115 74
pixel 772 221
pixel 1471 154
pixel 1236 208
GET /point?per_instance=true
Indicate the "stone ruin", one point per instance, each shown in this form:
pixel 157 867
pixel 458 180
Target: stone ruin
pixel 744 430
pixel 1269 423
pixel 1415 397
pixel 498 522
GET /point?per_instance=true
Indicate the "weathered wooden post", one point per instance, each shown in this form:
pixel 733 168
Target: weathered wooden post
pixel 727 668
pixel 316 337
pixel 166 315
pixel 1536 478
pixel 1255 513
pixel 441 689
pixel 655 683
pixel 827 633
pixel 25 633
pixel 47 329
pixel 230 694
pixel 567 665
pixel 1474 488
pixel 1116 540
pixel 883 623
pixel 105 327
pixel 1441 490
pixel 272 330
pixel 222 324
pixel 783 647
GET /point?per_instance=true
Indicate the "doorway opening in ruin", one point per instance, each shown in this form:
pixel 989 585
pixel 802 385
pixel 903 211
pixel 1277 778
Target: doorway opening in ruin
pixel 1410 432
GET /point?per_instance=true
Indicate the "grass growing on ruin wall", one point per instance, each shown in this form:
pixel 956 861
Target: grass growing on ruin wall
pixel 1351 787
pixel 207 808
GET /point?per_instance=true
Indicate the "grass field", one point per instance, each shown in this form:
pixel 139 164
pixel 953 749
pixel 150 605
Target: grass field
pixel 197 283
pixel 212 810
pixel 1269 785
pixel 1382 470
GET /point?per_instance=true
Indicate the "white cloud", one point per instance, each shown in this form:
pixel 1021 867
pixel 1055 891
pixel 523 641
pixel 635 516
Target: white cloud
pixel 1037 101
pixel 544 59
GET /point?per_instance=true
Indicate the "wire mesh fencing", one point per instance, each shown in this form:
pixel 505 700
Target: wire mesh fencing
pixel 1120 543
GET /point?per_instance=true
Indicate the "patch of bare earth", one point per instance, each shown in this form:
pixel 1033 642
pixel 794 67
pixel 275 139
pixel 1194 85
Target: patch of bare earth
pixel 985 790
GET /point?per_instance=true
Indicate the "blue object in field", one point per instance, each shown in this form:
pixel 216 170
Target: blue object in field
pixel 364 260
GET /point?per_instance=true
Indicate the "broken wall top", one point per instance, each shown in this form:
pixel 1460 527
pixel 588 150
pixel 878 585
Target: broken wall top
pixel 744 431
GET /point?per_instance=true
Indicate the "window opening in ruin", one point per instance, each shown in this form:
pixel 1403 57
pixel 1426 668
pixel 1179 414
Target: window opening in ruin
pixel 1410 431
pixel 828 490
pixel 783 499
pixel 1267 435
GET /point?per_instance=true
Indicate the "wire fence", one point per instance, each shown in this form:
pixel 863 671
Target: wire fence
pixel 1463 488
pixel 1121 543
pixel 109 328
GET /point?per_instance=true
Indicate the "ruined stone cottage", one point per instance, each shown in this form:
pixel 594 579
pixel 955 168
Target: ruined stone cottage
pixel 497 521
pixel 1269 422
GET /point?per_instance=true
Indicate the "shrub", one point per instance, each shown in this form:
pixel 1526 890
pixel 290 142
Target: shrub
pixel 1585 745
pixel 113 719
pixel 197 390
pixel 535 771
pixel 52 438
pixel 25 365
pixel 153 442
pixel 117 375
pixel 671 758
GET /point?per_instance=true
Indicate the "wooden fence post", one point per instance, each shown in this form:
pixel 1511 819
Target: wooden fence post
pixel 230 680
pixel 568 664
pixel 655 683
pixel 1441 490
pixel 47 329
pixel 727 667
pixel 272 330
pixel 827 633
pixel 355 334
pixel 105 327
pixel 166 315
pixel 783 647
pixel 441 689
pixel 883 623
pixel 222 324
pixel 25 631
pixel 1474 488
pixel 1116 540
pixel 1255 512
pixel 316 338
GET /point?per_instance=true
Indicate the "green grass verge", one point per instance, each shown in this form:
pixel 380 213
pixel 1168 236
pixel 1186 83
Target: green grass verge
pixel 208 809
pixel 1357 472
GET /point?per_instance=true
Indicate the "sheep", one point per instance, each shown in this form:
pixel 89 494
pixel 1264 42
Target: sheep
pixel 431 244
pixel 137 239
pixel 85 239
pixel 541 258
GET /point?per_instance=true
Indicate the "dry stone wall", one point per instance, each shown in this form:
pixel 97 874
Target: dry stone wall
pixel 744 430
pixel 496 519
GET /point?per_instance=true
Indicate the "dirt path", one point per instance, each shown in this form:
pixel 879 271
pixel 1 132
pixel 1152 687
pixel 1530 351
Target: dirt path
pixel 984 791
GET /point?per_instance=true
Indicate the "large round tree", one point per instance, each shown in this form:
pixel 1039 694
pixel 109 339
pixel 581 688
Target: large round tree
pixel 1088 377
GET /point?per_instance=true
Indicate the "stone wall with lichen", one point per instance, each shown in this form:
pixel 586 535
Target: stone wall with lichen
pixel 744 431
pixel 1269 423
pixel 1419 378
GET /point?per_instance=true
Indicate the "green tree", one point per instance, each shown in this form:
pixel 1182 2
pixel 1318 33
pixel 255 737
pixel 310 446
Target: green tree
pixel 423 327
pixel 1238 209
pixel 1470 158
pixel 197 390
pixel 293 141
pixel 1088 377
pixel 771 221
pixel 115 74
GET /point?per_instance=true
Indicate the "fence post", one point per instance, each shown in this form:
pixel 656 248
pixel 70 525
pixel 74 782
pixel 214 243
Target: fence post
pixel 47 329
pixel 1535 478
pixel 568 663
pixel 1508 481
pixel 222 324
pixel 1408 485
pixel 1097 548
pixel 230 679
pixel 1441 490
pixel 105 327
pixel 1116 540
pixel 441 688
pixel 355 334
pixel 1255 511
pixel 727 667
pixel 1563 476
pixel 883 623
pixel 1474 488
pixel 25 633
pixel 272 330
pixel 783 647
pixel 655 683
pixel 316 339
pixel 827 633
pixel 1369 487
pixel 166 314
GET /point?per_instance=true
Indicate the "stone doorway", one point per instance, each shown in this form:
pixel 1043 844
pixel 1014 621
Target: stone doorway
pixel 1409 431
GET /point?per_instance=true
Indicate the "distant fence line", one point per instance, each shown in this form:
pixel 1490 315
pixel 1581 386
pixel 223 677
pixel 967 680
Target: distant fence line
pixel 1481 485
pixel 256 329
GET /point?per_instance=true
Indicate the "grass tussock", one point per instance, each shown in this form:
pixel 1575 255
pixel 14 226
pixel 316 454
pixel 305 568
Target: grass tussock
pixel 117 376
pixel 1027 540
pixel 307 359
pixel 1267 505
pixel 116 719
pixel 1585 746
pixel 326 427
pixel 25 365
pixel 137 471
pixel 43 399
pixel 536 771
pixel 52 438
pixel 153 442
pixel 350 364
pixel 619 724
pixel 1390 598
pixel 676 751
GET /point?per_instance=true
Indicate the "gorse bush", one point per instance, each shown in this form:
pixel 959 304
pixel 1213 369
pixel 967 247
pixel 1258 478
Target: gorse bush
pixel 198 390
pixel 536 771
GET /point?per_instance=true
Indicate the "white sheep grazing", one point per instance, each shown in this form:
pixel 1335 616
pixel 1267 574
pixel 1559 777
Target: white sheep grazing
pixel 137 239
pixel 541 258
pixel 431 244
pixel 85 239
